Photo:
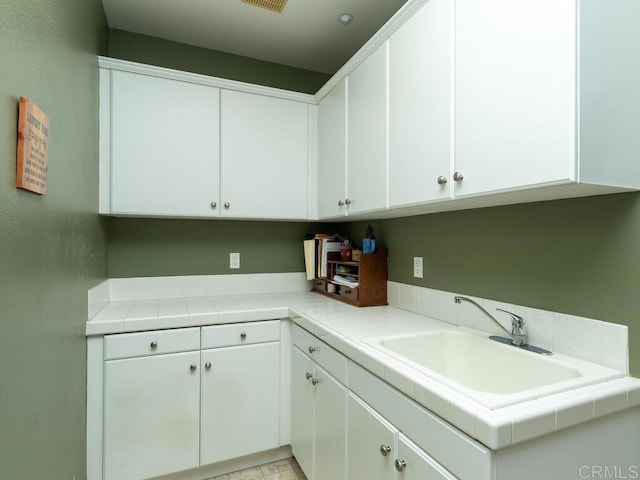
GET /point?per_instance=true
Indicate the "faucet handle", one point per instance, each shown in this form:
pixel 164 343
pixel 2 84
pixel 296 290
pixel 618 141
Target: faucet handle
pixel 517 328
pixel 517 322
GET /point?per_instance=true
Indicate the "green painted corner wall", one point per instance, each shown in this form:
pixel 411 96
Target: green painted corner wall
pixel 166 53
pixel 158 247
pixel 53 247
pixel 579 256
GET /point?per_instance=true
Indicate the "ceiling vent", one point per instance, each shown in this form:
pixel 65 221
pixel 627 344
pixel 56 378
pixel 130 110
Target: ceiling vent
pixel 273 5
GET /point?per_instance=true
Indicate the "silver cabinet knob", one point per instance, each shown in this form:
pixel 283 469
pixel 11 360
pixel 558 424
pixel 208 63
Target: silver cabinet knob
pixel 312 349
pixel 457 177
pixel 385 450
pixel 243 336
pixel 308 375
pixel 214 204
pixel 207 365
pixel 347 201
pixel 442 180
pixel 193 367
pixel 153 345
pixel 340 203
pixel 400 465
pixel 227 204
pixel 315 381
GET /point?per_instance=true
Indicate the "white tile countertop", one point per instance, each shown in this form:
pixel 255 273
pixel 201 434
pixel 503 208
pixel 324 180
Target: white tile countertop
pixel 344 327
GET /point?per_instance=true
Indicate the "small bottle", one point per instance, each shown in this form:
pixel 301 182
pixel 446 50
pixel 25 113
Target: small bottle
pixel 369 242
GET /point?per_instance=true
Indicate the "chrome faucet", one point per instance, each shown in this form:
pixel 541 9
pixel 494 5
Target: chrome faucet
pixel 517 336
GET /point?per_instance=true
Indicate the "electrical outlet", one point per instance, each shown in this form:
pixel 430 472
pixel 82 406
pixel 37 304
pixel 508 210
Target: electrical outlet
pixel 234 260
pixel 417 267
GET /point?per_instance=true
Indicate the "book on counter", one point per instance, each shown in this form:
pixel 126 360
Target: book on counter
pixel 318 250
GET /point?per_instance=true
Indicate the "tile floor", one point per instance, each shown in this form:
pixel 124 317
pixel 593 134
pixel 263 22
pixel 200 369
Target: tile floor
pixel 287 469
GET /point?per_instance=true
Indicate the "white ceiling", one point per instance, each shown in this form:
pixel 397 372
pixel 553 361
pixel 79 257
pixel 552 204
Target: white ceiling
pixel 307 34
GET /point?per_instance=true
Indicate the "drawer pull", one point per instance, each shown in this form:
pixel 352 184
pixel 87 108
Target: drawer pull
pixel 385 450
pixel 193 367
pixel 207 365
pixel 312 349
pixel 243 336
pixel 315 381
pixel 400 465
pixel 308 375
pixel 153 345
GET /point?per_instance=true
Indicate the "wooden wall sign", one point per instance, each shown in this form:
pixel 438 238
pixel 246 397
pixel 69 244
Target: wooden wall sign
pixel 33 148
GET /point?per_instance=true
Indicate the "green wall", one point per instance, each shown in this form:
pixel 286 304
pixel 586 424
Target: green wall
pixel 165 53
pixel 578 256
pixel 52 248
pixel 151 247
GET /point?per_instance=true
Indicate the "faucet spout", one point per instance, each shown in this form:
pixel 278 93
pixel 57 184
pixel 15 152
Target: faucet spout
pixel 517 334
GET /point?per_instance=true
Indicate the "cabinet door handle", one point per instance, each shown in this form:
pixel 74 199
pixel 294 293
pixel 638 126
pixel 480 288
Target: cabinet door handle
pixel 400 464
pixel 312 349
pixel 315 381
pixel 385 450
pixel 442 180
pixel 308 375
pixel 153 345
pixel 214 204
pixel 193 367
pixel 457 177
pixel 347 201
pixel 340 203
pixel 227 204
pixel 207 365
pixel 243 335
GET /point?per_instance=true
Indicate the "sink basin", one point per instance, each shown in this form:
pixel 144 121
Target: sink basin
pixel 491 373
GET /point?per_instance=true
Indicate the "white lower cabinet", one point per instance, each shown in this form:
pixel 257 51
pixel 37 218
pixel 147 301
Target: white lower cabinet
pixel 240 401
pixel 371 442
pixel 318 415
pixel 179 399
pixel 152 421
pixel 376 448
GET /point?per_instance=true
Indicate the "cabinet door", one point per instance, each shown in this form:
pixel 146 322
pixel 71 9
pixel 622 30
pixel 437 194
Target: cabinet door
pixel 165 146
pixel 367 133
pixel 264 156
pixel 240 401
pixel 370 443
pixel 416 464
pixel 302 410
pixel 332 166
pixel 330 444
pixel 152 421
pixel 515 94
pixel 420 106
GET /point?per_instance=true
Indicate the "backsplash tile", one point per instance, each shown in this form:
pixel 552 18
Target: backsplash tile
pixel 596 341
pixel 156 289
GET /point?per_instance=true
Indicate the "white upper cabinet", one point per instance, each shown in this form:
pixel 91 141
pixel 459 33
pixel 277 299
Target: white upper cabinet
pixel 515 94
pixel 176 144
pixel 420 106
pixel 164 146
pixel 332 152
pixel 264 156
pixel 367 134
pixel 544 93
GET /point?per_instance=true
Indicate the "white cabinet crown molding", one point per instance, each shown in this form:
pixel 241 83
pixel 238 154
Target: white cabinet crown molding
pixel 134 67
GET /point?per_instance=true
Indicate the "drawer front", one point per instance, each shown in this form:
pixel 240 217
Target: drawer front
pixel 350 293
pixel 321 353
pixel 446 444
pixel 240 334
pixel 320 285
pixel 158 342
